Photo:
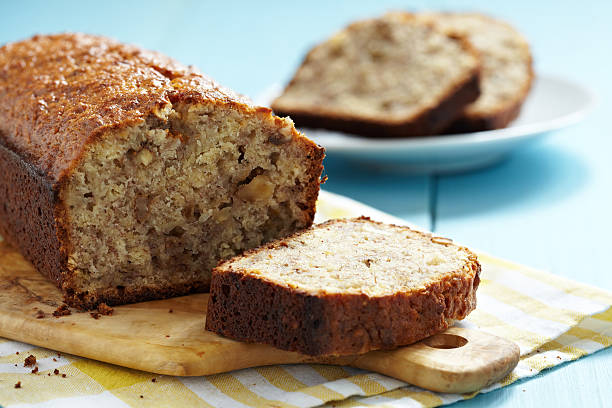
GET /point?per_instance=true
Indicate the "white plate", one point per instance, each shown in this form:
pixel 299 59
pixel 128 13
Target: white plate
pixel 552 104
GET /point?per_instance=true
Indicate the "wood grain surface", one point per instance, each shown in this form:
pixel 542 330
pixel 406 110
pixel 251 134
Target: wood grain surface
pixel 168 337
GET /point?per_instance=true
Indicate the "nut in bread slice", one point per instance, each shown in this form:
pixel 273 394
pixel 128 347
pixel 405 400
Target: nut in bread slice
pixel 344 287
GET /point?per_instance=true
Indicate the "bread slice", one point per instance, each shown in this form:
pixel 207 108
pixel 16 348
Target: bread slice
pixel 393 76
pixel 507 70
pixel 343 287
pixel 126 176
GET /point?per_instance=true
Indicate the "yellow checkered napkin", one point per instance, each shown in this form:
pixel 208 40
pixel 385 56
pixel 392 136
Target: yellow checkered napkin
pixel 552 319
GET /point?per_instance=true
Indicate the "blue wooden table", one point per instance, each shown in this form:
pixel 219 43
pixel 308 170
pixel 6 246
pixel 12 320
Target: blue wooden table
pixel 548 206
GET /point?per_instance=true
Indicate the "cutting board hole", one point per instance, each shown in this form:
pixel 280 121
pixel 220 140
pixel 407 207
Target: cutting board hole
pixel 445 341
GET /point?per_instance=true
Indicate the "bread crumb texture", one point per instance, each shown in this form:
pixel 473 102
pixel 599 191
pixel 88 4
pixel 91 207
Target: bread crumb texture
pixel 165 201
pixel 356 258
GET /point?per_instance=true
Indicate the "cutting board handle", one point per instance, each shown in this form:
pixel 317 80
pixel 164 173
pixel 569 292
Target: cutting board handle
pixel 456 361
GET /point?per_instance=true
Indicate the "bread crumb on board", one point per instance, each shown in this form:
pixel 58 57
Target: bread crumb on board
pixel 105 309
pixel 18 385
pixel 62 310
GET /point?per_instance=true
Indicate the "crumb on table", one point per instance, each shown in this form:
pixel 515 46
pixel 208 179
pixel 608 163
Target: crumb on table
pixel 30 361
pixel 18 385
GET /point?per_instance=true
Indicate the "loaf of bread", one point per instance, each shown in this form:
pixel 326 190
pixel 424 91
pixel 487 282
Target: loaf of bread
pixel 393 76
pixel 344 287
pixel 125 176
pixel 506 69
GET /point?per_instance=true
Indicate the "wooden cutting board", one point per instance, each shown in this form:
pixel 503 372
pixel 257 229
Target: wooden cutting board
pixel 168 337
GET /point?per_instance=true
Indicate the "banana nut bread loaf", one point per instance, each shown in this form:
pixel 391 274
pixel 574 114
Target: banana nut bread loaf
pixel 344 287
pixel 125 176
pixel 507 70
pixel 393 76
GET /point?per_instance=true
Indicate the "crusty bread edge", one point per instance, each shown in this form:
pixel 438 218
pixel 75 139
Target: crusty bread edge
pixel 430 121
pixel 254 309
pixel 500 118
pixel 503 114
pixel 30 215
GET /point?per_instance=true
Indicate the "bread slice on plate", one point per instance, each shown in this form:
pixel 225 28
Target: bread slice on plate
pixel 507 70
pixel 126 176
pixel 343 287
pixel 393 76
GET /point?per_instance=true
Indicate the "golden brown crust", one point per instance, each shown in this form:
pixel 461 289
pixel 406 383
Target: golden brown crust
pixel 253 309
pixel 430 121
pixel 498 118
pixel 503 113
pixel 59 94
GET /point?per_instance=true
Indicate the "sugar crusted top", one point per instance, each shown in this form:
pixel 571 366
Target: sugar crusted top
pixel 57 92
pixel 355 256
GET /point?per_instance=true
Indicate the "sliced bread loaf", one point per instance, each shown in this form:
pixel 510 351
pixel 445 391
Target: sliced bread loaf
pixel 393 76
pixel 126 176
pixel 344 287
pixel 506 69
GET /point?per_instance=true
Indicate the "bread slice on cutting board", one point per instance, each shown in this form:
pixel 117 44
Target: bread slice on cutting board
pixel 344 287
pixel 393 76
pixel 507 71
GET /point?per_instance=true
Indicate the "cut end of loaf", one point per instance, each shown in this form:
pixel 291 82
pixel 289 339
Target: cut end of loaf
pixel 344 287
pixel 152 208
